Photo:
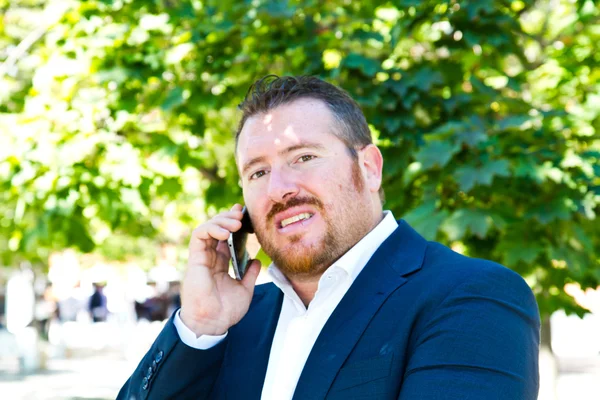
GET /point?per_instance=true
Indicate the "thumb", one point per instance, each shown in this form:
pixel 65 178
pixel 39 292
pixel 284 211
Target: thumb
pixel 251 275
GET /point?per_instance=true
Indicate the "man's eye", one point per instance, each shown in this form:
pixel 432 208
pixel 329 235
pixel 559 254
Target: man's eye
pixel 257 174
pixel 305 158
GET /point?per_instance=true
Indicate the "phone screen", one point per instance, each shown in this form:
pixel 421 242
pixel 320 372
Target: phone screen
pixel 237 246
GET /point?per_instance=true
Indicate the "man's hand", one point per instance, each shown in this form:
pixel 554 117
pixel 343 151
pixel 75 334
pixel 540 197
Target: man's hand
pixel 211 300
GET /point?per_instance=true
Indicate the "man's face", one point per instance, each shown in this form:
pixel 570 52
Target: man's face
pixel 306 194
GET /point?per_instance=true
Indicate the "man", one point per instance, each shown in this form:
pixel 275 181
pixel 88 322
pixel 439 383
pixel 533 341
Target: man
pixel 97 304
pixel 361 306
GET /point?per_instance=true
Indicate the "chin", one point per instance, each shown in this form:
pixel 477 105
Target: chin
pixel 298 259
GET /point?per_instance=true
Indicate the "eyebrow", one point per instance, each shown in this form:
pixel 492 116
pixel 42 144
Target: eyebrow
pixel 287 150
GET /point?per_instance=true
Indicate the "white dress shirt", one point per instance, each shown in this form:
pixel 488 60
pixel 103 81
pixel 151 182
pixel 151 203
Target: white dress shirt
pixel 298 327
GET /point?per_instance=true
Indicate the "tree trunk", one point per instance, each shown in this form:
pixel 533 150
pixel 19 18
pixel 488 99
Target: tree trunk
pixel 548 363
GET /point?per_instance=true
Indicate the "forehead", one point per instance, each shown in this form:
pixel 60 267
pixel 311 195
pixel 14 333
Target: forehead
pixel 301 121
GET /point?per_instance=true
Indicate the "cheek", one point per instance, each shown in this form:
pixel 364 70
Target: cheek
pixel 254 202
pixel 327 184
pixel 322 180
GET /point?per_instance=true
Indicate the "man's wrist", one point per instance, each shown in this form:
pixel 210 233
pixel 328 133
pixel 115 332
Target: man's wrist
pixel 201 328
pixel 203 342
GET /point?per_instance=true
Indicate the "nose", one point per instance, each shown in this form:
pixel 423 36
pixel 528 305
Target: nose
pixel 282 186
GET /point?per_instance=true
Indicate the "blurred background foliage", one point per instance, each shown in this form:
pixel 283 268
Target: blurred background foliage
pixel 116 120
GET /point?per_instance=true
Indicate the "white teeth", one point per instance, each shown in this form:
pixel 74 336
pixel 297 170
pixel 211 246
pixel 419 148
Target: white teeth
pixel 295 218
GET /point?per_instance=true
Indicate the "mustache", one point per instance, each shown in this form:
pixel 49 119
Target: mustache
pixel 293 202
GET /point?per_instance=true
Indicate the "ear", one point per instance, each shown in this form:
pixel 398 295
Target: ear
pixel 371 162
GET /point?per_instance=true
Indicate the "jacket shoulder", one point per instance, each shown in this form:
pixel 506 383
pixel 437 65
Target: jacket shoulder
pixel 452 267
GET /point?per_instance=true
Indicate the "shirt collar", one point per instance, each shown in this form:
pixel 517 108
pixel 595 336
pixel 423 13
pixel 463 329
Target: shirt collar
pixel 354 260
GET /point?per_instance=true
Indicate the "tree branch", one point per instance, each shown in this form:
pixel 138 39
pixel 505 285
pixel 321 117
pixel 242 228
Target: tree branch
pixel 22 48
pixel 211 174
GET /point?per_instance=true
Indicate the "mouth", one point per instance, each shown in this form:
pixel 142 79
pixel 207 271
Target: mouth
pixel 295 219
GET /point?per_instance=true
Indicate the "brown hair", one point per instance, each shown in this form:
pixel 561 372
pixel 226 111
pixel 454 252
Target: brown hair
pixel 273 91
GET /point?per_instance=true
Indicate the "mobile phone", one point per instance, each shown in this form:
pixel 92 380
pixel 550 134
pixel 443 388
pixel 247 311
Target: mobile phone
pixel 237 246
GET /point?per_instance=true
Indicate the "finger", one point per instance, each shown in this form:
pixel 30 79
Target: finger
pixel 223 257
pixel 231 224
pixel 223 249
pixel 208 231
pixel 249 280
pixel 208 258
pixel 235 214
pixel 198 244
pixel 217 260
pixel 237 207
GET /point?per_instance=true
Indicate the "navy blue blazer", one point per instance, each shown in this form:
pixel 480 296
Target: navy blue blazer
pixel 419 322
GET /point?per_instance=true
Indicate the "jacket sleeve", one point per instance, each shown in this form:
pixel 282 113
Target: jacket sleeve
pixel 481 342
pixel 173 370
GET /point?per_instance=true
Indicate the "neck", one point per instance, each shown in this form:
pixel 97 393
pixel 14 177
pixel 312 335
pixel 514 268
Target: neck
pixel 306 289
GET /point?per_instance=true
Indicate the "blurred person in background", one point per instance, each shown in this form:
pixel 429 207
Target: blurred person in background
pixel 174 297
pixel 361 306
pixel 155 307
pixel 97 304
pixel 70 306
pixel 45 310
pixel 2 310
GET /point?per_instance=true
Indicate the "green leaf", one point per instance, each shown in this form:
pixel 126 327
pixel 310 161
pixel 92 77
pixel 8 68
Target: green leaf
pixel 279 9
pixel 392 123
pixel 527 168
pixel 399 87
pixel 475 132
pixel 169 187
pixel 368 66
pixel 447 130
pixel 583 239
pixel 577 262
pixel 426 219
pixel 426 78
pixel 513 122
pixel 423 79
pixel 408 3
pixel 78 235
pixel 466 221
pixel 436 154
pixel 457 102
pixel 557 209
pixel 411 172
pixel 174 98
pixel 482 89
pixel 514 250
pixel 499 222
pixel 469 176
pixel 480 7
pixel 364 35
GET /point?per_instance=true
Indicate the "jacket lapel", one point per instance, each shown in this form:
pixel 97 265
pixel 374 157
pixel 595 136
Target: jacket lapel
pixel 250 345
pixel 399 255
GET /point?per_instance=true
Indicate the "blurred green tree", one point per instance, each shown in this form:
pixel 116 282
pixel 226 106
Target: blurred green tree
pixel 117 118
